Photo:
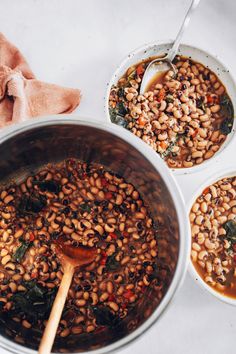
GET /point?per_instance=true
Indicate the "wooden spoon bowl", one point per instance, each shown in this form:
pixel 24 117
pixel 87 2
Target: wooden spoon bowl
pixel 71 258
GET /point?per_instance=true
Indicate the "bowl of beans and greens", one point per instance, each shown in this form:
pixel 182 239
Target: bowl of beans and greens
pixel 212 217
pixel 187 118
pixel 99 187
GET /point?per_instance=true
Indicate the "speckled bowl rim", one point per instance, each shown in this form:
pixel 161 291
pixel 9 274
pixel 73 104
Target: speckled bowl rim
pixel 229 172
pixel 230 138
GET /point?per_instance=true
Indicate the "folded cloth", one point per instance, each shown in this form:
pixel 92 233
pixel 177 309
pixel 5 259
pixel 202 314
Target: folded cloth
pixel 22 96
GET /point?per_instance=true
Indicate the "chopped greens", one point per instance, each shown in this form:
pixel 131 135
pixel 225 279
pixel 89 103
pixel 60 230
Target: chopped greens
pixel 121 92
pixel 35 302
pixel 227 110
pixel 169 99
pixel 117 119
pixel 112 264
pixel 104 317
pixel 31 204
pixel 85 207
pixel 21 250
pixel 226 126
pixel 48 186
pixel 230 228
pixel 122 110
pixel 200 104
pixel 132 75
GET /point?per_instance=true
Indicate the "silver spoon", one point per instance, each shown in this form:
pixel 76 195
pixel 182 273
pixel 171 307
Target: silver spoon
pixel 163 64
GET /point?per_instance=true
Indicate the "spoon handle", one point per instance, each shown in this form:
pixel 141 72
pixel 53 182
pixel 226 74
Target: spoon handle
pixel 173 51
pixel 55 315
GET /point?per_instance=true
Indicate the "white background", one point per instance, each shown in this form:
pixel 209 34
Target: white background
pixel 79 43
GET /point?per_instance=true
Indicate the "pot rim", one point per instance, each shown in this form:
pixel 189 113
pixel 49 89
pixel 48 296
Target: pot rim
pixel 171 184
pixel 218 175
pixel 148 46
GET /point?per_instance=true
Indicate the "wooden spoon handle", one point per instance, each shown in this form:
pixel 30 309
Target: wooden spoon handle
pixel 55 315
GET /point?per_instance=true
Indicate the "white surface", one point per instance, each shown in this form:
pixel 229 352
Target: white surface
pixel 79 44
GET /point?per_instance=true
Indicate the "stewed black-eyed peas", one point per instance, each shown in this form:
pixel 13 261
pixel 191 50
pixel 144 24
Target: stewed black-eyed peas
pixel 185 118
pixel 88 206
pixel 213 223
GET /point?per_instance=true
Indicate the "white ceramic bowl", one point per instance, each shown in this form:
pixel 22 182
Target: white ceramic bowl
pixel 200 55
pixel 229 172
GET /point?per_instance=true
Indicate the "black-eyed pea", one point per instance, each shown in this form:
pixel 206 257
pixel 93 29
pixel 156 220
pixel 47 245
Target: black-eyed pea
pixel 195 230
pixel 202 132
pixel 99 229
pixel 209 280
pixel 226 206
pixel 13 287
pixel 153 253
pixel 79 319
pixel 6 259
pixel 222 219
pixel 218 269
pixel 177 113
pixel 209 267
pixel 196 247
pixel 195 82
pixel 208 154
pixel 194 255
pixel 18 233
pixel 4 252
pixel 119 199
pixel 197 154
pixel 77 329
pixel 86 295
pixel 220 90
pixel 10 266
pixel 232 192
pixel 110 287
pixel 207 224
pixel 109 228
pixel 104 297
pixel 225 186
pixel 16 277
pixel 227 244
pixel 207 197
pixel 125 260
pixel 21 288
pixel 42 250
pixel 202 255
pixel 80 302
pixel 65 332
pixel 8 199
pixel 113 305
pixel 162 136
pixel 187 163
pixel 209 245
pixel 199 220
pixel 5 236
pixel 100 269
pixel 202 264
pixel 90 328
pixel 204 207
pixel 26 324
pixel 195 207
pixel 231 216
pixel 213 191
pixel 94 298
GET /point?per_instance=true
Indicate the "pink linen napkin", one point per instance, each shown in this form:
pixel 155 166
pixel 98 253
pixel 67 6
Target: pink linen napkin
pixel 22 96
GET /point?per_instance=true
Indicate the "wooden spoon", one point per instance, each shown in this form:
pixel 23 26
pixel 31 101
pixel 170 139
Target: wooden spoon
pixel 70 258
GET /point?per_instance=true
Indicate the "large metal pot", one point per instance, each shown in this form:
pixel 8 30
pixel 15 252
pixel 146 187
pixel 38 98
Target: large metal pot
pixel 25 147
